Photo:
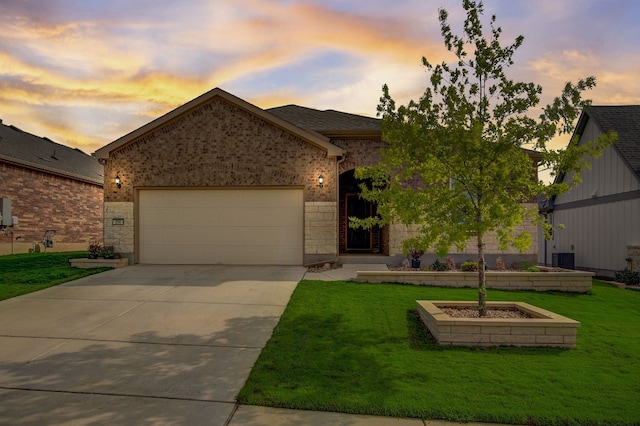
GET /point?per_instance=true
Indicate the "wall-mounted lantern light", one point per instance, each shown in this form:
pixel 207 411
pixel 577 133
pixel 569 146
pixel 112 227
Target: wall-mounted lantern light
pixel 321 181
pixel 118 184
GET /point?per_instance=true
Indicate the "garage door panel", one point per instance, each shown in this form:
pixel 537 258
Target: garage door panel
pixel 221 226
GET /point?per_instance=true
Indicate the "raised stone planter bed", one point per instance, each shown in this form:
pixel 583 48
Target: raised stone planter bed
pixel 545 280
pixel 83 263
pixel 545 329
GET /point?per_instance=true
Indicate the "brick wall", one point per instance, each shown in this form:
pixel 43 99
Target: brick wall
pixel 219 145
pixel 42 202
pixel 360 152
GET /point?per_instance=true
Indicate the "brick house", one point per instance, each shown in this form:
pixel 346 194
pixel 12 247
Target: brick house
pixel 54 192
pixel 219 180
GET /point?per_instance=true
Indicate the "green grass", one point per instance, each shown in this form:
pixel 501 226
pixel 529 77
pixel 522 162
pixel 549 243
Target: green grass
pixel 358 348
pixel 26 273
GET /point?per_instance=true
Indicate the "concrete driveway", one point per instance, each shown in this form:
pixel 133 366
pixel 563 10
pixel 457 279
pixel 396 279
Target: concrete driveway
pixel 138 345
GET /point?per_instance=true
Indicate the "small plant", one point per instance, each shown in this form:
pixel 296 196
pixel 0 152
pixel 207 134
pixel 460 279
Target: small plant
pixel 95 250
pixel 438 266
pixel 469 266
pixel 532 269
pixel 500 266
pixel 108 252
pixel 628 276
pixel 415 253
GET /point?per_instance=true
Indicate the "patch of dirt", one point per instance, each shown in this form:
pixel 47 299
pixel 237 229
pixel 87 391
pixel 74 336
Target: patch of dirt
pixel 491 313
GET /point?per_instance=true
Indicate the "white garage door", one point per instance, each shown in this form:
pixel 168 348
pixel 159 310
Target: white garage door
pixel 252 226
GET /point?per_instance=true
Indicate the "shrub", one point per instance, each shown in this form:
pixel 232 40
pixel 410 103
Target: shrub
pixel 438 266
pixel 95 249
pixel 628 276
pixel 469 266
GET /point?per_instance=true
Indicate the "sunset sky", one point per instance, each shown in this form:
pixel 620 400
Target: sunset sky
pixel 85 72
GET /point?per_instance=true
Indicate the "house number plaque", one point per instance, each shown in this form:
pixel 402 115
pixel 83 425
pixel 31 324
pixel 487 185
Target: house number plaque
pixel 117 221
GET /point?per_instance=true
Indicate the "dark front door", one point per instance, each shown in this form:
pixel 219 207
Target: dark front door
pixel 358 238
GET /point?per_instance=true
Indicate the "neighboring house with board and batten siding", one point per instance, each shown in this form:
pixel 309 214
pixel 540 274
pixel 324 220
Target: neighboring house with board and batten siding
pixel 600 217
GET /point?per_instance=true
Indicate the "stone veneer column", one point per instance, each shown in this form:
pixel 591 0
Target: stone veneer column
pixel 119 236
pixel 320 230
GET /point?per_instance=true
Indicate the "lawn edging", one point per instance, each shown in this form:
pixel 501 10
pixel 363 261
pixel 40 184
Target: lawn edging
pixel 565 280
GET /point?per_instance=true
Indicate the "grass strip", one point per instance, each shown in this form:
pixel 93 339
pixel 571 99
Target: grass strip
pixel 29 272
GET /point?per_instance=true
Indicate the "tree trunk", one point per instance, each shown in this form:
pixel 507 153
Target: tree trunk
pixel 482 282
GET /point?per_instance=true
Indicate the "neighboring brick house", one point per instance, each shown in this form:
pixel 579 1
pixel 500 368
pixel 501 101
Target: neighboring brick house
pixel 219 180
pixel 54 191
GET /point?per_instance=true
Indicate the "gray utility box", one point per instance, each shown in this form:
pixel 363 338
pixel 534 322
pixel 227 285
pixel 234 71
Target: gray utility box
pixel 5 212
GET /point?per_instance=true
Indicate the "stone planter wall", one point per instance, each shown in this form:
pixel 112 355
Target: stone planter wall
pixel 546 329
pixel 99 263
pixel 572 281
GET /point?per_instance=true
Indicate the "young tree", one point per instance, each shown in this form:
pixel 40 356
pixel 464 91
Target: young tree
pixel 459 160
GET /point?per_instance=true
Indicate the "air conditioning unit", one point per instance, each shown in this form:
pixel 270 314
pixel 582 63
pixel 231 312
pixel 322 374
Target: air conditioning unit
pixel 563 260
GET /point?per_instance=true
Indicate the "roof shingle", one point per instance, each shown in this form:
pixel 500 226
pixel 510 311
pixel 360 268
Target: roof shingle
pixel 20 147
pixel 625 120
pixel 325 122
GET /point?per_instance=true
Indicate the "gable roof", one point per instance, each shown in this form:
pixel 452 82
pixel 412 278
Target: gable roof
pixel 27 150
pixel 625 120
pixel 329 122
pixel 310 136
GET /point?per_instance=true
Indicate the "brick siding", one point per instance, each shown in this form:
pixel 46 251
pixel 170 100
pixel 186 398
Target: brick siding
pixel 42 201
pixel 219 145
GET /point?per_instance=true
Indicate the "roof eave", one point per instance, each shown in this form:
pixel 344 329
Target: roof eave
pixel 51 170
pixel 352 134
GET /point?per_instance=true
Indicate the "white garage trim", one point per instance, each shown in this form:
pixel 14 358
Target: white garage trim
pixel 220 226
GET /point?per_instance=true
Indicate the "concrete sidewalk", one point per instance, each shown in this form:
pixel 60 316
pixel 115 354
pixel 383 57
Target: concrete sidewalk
pixel 150 345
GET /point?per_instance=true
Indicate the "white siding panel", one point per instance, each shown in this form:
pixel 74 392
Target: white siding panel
pixel 608 175
pixel 598 235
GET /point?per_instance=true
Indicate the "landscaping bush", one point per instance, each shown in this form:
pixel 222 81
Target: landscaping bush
pixel 438 266
pixel 469 266
pixel 628 276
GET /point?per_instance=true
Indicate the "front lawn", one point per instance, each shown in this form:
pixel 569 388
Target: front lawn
pixel 25 273
pixel 358 348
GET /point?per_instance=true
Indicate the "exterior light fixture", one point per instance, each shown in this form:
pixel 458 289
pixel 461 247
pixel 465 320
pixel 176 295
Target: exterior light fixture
pixel 321 181
pixel 118 184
